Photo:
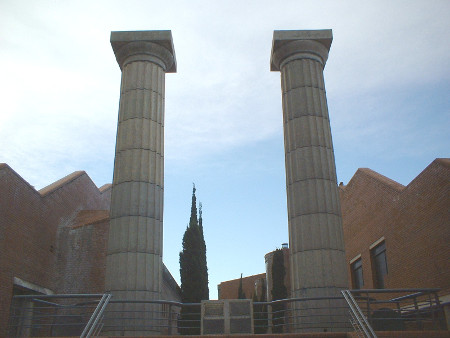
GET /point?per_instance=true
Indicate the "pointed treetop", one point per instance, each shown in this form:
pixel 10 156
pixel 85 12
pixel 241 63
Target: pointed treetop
pixel 241 293
pixel 193 220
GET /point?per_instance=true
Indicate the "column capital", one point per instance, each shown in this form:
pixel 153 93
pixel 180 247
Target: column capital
pixel 288 45
pixel 153 46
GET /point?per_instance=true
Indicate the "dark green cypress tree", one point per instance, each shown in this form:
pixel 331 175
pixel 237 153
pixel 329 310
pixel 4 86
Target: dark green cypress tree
pixel 279 290
pixel 203 264
pixel 241 293
pixel 193 271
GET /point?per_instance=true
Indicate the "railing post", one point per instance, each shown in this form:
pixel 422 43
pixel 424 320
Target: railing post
pixel 169 317
pixel 433 312
pixel 288 319
pixel 269 318
pixel 440 311
pixel 369 315
pixel 416 307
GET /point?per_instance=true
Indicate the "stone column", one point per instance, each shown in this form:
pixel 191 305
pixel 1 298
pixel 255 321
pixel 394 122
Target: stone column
pixel 317 257
pixel 134 255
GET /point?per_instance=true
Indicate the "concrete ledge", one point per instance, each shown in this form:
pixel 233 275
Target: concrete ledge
pixel 380 334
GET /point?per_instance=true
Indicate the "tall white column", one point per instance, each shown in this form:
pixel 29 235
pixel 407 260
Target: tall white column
pixel 134 255
pixel 317 257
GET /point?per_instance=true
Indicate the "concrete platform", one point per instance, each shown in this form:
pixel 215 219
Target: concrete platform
pixel 380 334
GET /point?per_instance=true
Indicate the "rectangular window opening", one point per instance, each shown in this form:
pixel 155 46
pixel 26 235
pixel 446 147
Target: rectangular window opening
pixel 379 265
pixel 357 274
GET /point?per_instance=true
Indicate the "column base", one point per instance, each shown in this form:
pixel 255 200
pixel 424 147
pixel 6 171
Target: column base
pixel 320 313
pixel 129 315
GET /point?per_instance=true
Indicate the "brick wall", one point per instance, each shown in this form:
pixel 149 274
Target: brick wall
pixel 414 221
pixel 29 221
pixel 56 238
pixel 81 251
pixel 229 289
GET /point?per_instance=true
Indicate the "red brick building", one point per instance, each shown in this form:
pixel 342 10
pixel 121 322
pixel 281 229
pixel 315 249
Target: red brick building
pixel 53 241
pixel 256 284
pixel 395 236
pixel 251 285
pixel 398 236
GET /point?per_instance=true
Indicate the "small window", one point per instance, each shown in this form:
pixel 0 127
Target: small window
pixel 357 274
pixel 379 265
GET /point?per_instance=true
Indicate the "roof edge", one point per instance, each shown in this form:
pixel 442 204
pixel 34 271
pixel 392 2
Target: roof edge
pixel 5 166
pixel 258 274
pixel 386 181
pixel 105 187
pixel 61 182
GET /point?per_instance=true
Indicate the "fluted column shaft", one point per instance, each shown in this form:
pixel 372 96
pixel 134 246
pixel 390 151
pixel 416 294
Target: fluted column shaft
pixel 134 255
pixel 317 256
pixel 135 240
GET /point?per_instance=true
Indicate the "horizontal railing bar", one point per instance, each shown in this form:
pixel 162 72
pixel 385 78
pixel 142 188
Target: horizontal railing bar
pixel 130 328
pixel 86 295
pixel 50 324
pixel 414 295
pixel 431 290
pixel 161 314
pixel 290 300
pixel 169 302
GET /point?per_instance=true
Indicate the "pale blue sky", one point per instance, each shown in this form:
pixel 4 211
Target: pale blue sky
pixel 387 81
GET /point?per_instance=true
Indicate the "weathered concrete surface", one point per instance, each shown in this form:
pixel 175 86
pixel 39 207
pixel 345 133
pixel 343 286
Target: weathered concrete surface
pixel 318 265
pixel 134 256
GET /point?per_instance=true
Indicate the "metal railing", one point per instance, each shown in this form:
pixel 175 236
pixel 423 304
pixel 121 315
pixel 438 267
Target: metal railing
pixel 359 320
pixel 98 314
pixel 51 315
pixel 95 325
pixel 401 309
pixel 88 315
pixel 314 314
pixel 142 317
